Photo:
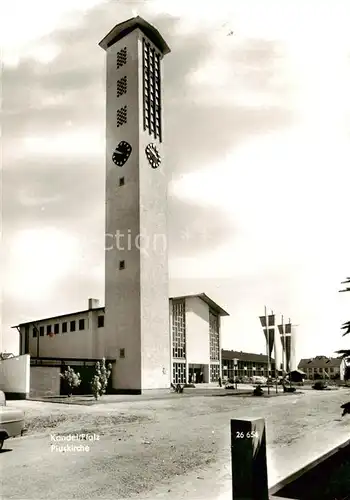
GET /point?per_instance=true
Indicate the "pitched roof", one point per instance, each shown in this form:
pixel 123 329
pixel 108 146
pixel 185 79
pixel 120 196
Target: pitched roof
pixel 207 300
pixel 202 296
pixel 60 316
pixel 319 362
pixel 122 29
pixel 245 356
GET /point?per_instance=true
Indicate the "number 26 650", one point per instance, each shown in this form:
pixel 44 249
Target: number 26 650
pixel 241 435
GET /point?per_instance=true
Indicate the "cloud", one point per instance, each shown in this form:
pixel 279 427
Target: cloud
pixel 194 228
pixel 255 148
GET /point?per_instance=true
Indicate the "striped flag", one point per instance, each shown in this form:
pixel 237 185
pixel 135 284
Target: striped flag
pixel 286 340
pixel 269 330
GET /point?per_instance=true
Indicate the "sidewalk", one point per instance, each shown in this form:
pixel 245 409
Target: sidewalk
pixel 216 484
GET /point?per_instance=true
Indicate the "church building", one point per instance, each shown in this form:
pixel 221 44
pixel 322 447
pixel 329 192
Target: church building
pixel 150 339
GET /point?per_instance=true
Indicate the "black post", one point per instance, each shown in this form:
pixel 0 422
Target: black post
pixel 235 368
pixel 248 460
pixel 37 340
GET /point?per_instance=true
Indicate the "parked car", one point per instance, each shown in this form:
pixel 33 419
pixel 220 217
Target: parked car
pixel 2 399
pixel 11 421
pixel 259 380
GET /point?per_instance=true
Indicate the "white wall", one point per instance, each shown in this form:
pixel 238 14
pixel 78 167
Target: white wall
pixel 197 331
pixel 15 375
pixel 87 343
pixel 136 298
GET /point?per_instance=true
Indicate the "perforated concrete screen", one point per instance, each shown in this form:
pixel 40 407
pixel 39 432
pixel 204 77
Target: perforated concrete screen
pixel 214 373
pixel 179 373
pixel 122 86
pixel 151 91
pixel 122 115
pixel 179 329
pixel 214 336
pixel 122 57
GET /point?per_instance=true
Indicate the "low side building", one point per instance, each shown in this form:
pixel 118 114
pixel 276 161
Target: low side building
pixel 248 364
pixel 296 376
pixel 77 340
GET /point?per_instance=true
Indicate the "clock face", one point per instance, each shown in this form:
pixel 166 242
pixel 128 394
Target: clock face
pixel 153 156
pixel 121 153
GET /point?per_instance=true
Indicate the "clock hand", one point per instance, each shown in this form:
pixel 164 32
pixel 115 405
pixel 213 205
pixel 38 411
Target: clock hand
pixel 154 157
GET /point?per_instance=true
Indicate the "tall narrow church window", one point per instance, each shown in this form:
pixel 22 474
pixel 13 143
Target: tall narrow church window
pixel 214 373
pixel 151 91
pixel 179 329
pixel 214 336
pixel 179 373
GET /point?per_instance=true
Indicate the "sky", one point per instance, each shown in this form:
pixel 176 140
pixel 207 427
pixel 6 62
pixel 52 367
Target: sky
pixel 257 129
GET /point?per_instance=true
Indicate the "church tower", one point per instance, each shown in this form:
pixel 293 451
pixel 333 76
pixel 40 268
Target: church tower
pixel 136 330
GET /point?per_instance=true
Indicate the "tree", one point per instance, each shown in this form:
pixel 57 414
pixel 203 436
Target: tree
pixel 345 326
pixel 71 378
pixel 6 355
pixel 100 379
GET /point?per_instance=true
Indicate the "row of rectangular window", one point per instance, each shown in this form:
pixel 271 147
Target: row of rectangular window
pixel 321 370
pixel 244 364
pixel 72 324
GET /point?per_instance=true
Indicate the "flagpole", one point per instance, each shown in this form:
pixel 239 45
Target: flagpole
pixel 274 340
pixel 284 359
pixel 268 350
pixel 290 353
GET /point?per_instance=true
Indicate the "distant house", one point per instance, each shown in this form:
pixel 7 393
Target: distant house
pixel 323 367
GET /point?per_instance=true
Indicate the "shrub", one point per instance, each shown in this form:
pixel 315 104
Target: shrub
pixel 71 378
pixel 319 385
pixel 288 389
pixel 100 380
pixel 258 391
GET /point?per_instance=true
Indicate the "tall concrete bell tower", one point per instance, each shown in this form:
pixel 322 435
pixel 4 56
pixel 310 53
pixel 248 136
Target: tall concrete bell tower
pixel 136 260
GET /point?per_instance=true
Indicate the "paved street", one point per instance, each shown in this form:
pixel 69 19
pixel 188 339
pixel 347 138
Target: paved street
pixel 171 448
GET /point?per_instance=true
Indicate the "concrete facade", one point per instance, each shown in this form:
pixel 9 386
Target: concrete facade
pixel 77 335
pixel 196 339
pixel 136 280
pixel 15 377
pixel 197 321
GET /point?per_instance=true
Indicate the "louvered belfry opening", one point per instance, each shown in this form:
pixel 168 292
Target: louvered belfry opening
pixel 151 91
